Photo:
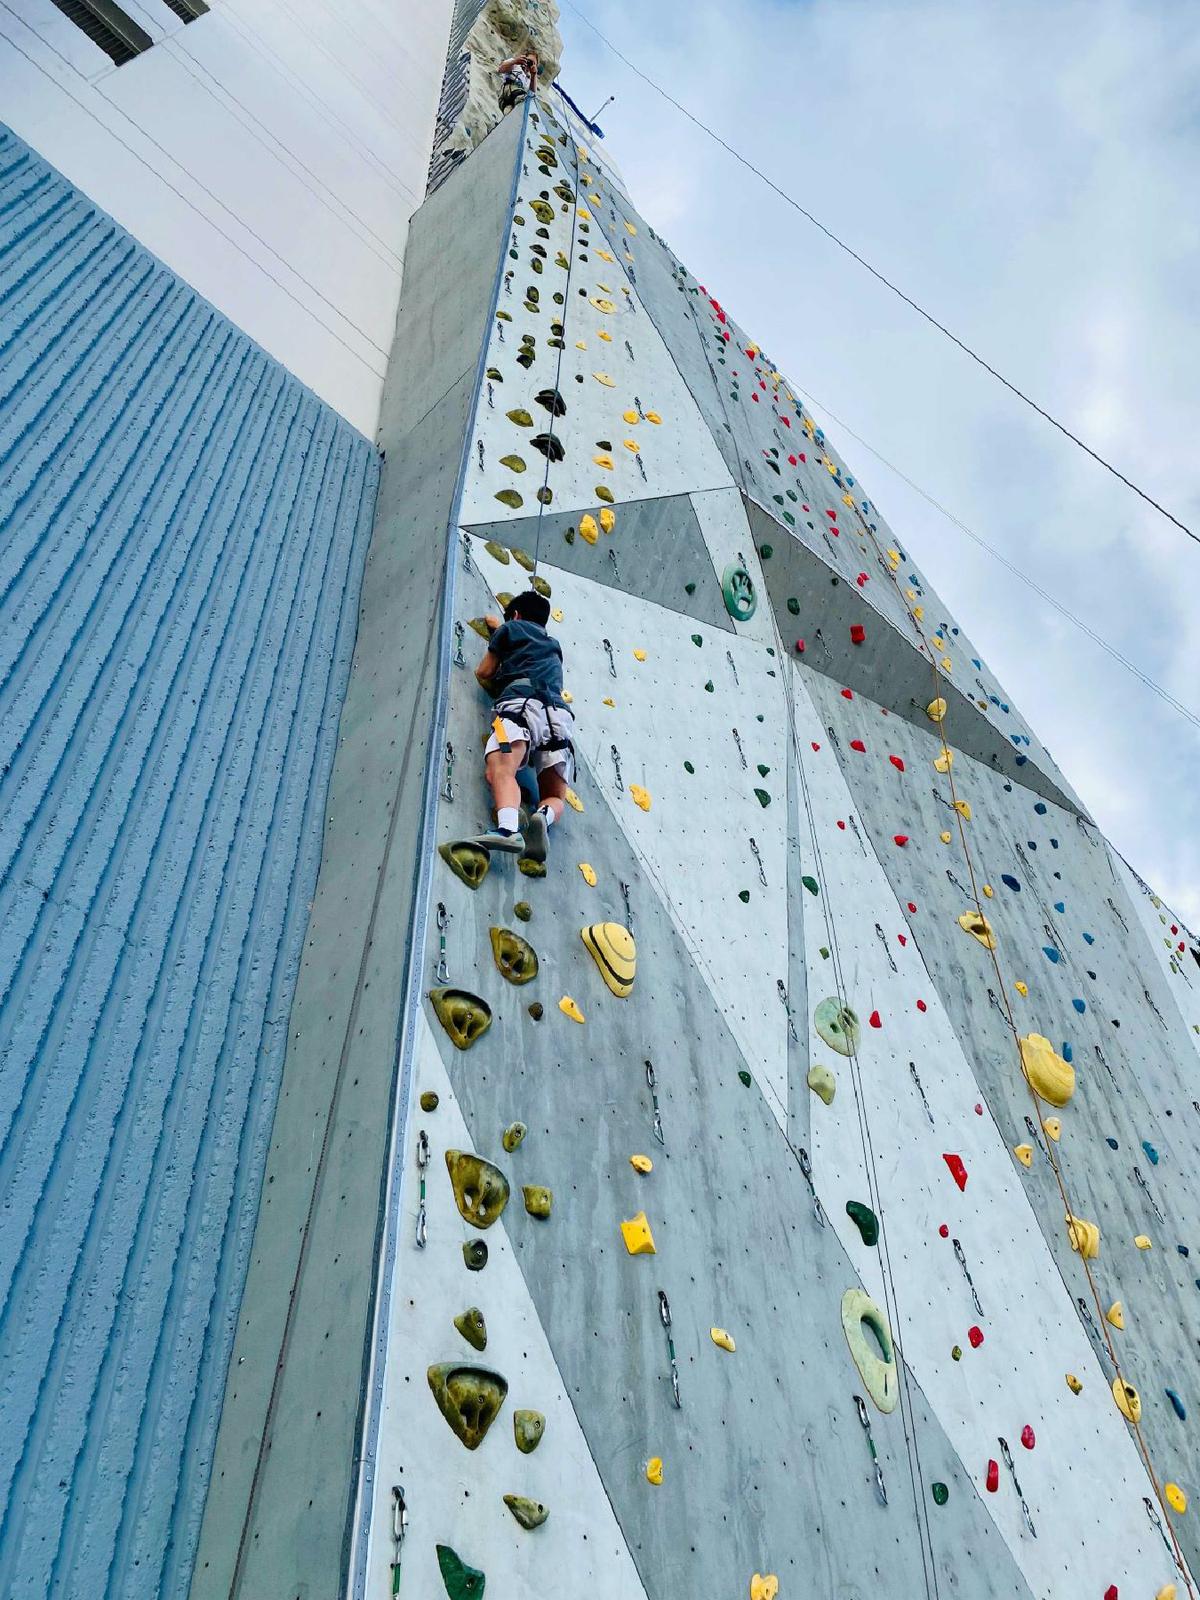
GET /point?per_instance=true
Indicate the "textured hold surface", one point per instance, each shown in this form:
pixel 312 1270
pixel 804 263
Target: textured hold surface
pixel 539 1201
pixel 464 1016
pixel 515 958
pixel 529 1513
pixel 822 1082
pixel 865 1220
pixel 462 1582
pixel 639 1241
pixel 612 948
pixel 528 1428
pixel 469 1398
pixel 480 1189
pixel 513 1136
pixel 874 1357
pixel 470 1323
pixel 838 1026
pixel 1048 1075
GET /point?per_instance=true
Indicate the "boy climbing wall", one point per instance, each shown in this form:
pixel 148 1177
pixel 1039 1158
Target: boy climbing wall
pixel 522 670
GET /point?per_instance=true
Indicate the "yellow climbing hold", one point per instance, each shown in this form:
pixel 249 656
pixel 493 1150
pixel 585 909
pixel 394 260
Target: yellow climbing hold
pixel 639 655
pixel 875 1356
pixel 1176 1498
pixel 1021 988
pixel 631 445
pixel 569 1009
pixel 944 762
pixel 601 304
pixel 1074 1384
pixel 587 528
pixel 989 891
pixel 723 1339
pixel 1024 1154
pixel 764 1588
pixel 1167 1592
pixel 639 1241
pixel 604 334
pixel 581 344
pixel 945 836
pixel 893 558
pixel 568 697
pixel 642 1164
pixel 604 461
pixel 630 229
pixel 612 948
pixel 589 874
pixel 608 701
pixel 1048 1075
pixel 557 614
pixel 573 800
pixel 630 417
pixel 822 1082
pixel 654 1470
pixel 963 809
pixel 1116 1315
pixel 653 416
pixel 608 519
pixel 603 377
pixel 947 664
pixel 980 928
pixel 1084 1237
pixel 641 797
pixel 1053 1127
pixel 1143 1242
pixel 936 709
pixel 1129 1401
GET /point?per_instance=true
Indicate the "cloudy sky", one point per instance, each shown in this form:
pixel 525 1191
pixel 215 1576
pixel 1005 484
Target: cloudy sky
pixel 1029 172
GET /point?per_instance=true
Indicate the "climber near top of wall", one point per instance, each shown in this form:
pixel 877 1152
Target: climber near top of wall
pixel 522 670
pixel 517 77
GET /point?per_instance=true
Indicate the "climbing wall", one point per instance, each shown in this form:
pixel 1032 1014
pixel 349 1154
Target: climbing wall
pixel 791 1179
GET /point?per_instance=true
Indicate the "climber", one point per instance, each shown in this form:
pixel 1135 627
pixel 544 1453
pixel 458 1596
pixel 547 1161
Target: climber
pixel 522 670
pixel 517 77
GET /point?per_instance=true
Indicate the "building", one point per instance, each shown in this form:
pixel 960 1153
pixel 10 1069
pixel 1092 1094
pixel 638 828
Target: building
pixel 804 1314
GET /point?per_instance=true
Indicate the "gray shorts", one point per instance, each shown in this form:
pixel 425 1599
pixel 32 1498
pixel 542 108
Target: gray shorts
pixel 545 731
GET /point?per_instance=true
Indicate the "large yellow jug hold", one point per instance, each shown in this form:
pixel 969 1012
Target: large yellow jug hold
pixel 936 709
pixel 588 529
pixel 978 926
pixel 639 1241
pixel 1129 1401
pixel 764 1588
pixel 1084 1237
pixel 1116 1314
pixel 1048 1075
pixel 654 1470
pixel 722 1339
pixel 612 948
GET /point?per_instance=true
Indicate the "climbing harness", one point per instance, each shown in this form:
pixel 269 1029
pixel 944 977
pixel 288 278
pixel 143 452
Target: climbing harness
pixel 616 761
pixel 880 1486
pixel 608 649
pixel 460 634
pixel 887 949
pixel 448 786
pixel 664 1312
pixel 441 971
pixel 912 1068
pixel 805 1160
pixel 962 1261
pixel 422 1165
pixel 781 987
pixel 754 851
pixel 1006 1456
pixel 652 1085
pixel 624 887
pixel 399 1529
pixel 737 739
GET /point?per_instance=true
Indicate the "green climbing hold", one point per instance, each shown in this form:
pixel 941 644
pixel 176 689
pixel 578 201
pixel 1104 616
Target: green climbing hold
pixel 865 1220
pixel 708 687
pixel 764 799
pixel 737 586
pixel 510 498
pixel 569 535
pixel 529 1513
pixel 429 1100
pixel 762 771
pixel 810 883
pixel 514 464
pixel 497 551
pixel 745 1077
pixel 603 492
pixel 688 767
pixel 541 586
pixel 838 1026
pixel 744 896
pixel 793 606
pixel 523 559
pixel 473 1328
pixel 504 598
pixel 469 1398
pixel 479 626
pixel 528 1428
pixel 516 959
pixel 940 1494
pixel 697 639
pixel 530 867
pixel 495 374
pixel 535 1010
pixel 824 952
pixel 513 1135
pixel 469 862
pixel 480 1189
pixel 689 588
pixel 475 1254
pixel 462 1582
pixel 766 551
pixel 538 1200
pixel 545 495
pixel 464 1016
pixel 522 911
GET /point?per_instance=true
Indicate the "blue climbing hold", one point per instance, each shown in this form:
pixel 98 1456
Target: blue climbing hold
pixel 1089 938
pixel 1021 760
pixel 978 665
pixel 1051 954
pixel 1067 1053
pixel 1031 843
pixel 1009 882
pixel 1060 906
pixel 1111 1143
pixel 1080 1006
pixel 1178 1404
pixel 1040 808
pixel 1183 1250
pixel 1054 844
pixel 1151 1153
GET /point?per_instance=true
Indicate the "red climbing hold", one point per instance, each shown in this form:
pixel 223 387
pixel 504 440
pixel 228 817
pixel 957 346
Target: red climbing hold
pixel 993 1479
pixel 792 461
pixel 974 1337
pixel 841 824
pixel 861 580
pixel 900 838
pixel 944 1231
pixel 847 694
pixel 815 745
pixel 911 907
pixel 1111 1592
pixel 1028 1438
pixel 903 938
pixel 897 762
pixel 957 1171
pixel 857 744
pixel 787 421
pixel 921 1006
pixel 875 1020
pixel 832 515
pixel 978 1109
pixel 857 633
pixel 799 647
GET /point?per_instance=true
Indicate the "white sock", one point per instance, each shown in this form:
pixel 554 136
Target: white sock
pixel 506 819
pixel 545 811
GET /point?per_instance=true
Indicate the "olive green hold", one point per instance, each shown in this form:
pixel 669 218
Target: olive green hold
pixel 528 1428
pixel 475 1254
pixel 865 1220
pixel 766 551
pixel 523 559
pixel 469 1398
pixel 497 551
pixel 473 1328
pixel 810 883
pixel 464 1016
pixel 479 626
pixel 956 1353
pixel 462 1582
pixel 529 1513
pixel 480 1189
pixel 536 1010
pixel 429 1100
pixel 763 798
pixel 523 911
pixel 824 953
pixel 747 1080
pixel 940 1494
pixel 569 535
pixel 505 599
pixel 516 960
pixel 538 1200
pixel 513 1136
pixel 541 586
pixel 838 1026
pixel 511 499
pixel 468 862
pixel 531 868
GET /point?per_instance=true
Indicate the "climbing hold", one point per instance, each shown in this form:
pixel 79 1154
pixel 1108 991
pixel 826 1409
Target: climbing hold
pixel 464 1016
pixel 763 798
pixel 974 1337
pixel 466 861
pixel 1151 1153
pixel 462 1582
pixel 989 891
pixel 838 1026
pixel 978 926
pixel 900 839
pixel 1028 1437
pixel 569 1009
pixel 588 529
pixel 608 519
pixel 875 1020
pixel 573 800
pixel 514 464
pixel 510 498
pixel 944 762
pixel 654 1470
pixel 475 1254
pixel 1115 1314
pixel 1053 1127
pixel 744 1077
pixel 469 1398
pixel 1129 1402
pixel 956 1353
pixel 958 1169
pixel 642 1164
pixel 744 896
pixel 612 948
pixel 516 960
pixel 513 1135
pixel 641 797
pixel 1073 1383
pixel 1177 1403
pixel 865 1220
pixel 1024 1154
pixel 529 1513
pixel 530 867
pixel 877 1371
pixel 993 1476
pixel 822 1082
pixel 480 1189
pixel 639 1241
pixel 538 1200
pixel 940 1493
pixel 1021 988
pixel 857 744
pixel 429 1100
pixel 1176 1498
pixel 897 762
pixel 810 883
pixel 589 874
pixel 523 911
pixel 1143 1241
pixel 1167 1592
pixel 936 709
pixel 723 1339
pixel 535 1010
pixel 473 1328
pixel 764 1588
pixel 858 633
pixel 964 810
pixel 1084 1237
pixel 1047 1073
pixel 945 836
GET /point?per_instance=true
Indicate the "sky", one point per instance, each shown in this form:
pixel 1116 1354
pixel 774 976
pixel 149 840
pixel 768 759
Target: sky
pixel 1028 172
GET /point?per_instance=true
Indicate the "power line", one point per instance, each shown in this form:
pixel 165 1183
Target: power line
pixel 887 282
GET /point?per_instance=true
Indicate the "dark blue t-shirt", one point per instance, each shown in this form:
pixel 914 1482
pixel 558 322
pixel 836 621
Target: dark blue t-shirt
pixel 531 662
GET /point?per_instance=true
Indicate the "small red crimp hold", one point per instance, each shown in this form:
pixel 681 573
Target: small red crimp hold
pixel 858 633
pixel 993 1483
pixel 910 905
pixel 974 1337
pixel 815 745
pixel 897 762
pixel 1028 1437
pixel 875 1020
pixel 862 580
pixel 1111 1592
pixel 900 838
pixel 957 1170
pixel 857 744
pixel 944 1230
pixel 847 694
pixel 921 1006
pixel 841 824
pixel 799 647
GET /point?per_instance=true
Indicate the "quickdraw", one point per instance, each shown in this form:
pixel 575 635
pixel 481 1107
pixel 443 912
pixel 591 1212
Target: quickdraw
pixel 960 1256
pixel 737 739
pixel 880 1487
pixel 612 556
pixel 490 398
pixel 448 786
pixel 1145 1187
pixel 916 1078
pixel 781 988
pixel 608 650
pixel 616 761
pixel 887 949
pixel 805 1163
pixel 399 1530
pixel 1157 1521
pixel 652 1085
pixel 465 546
pixel 460 634
pixel 995 1000
pixel 479 447
pixel 754 851
pixel 733 667
pixel 664 1313
pixel 1093 1332
pixel 637 406
pixel 441 971
pixel 422 1165
pixel 1006 1456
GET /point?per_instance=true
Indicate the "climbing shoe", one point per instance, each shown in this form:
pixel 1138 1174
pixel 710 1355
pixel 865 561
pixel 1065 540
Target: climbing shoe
pixel 498 839
pixel 536 837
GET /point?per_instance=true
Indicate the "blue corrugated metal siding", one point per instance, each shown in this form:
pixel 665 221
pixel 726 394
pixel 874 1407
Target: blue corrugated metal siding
pixel 182 532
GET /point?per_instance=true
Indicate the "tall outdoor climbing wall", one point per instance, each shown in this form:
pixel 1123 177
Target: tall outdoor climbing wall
pixel 790 1183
